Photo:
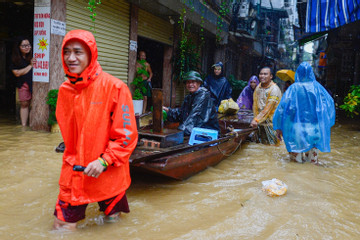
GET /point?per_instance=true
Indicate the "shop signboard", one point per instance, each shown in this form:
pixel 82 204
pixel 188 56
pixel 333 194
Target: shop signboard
pixel 41 49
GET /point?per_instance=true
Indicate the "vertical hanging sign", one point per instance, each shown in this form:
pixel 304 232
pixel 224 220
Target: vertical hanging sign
pixel 41 40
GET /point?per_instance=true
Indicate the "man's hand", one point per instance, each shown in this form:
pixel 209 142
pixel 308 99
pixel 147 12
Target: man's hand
pixel 94 169
pixel 165 108
pixel 254 123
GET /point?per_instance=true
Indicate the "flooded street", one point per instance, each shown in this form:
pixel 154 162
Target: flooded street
pixel 222 202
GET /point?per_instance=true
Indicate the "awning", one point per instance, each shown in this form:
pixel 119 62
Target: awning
pixel 323 15
pixel 303 37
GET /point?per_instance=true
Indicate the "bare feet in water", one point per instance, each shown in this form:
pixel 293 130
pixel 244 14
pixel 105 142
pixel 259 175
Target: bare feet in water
pixel 61 225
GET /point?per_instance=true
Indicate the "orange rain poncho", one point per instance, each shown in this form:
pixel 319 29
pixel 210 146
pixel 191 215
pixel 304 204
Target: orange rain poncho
pixel 96 117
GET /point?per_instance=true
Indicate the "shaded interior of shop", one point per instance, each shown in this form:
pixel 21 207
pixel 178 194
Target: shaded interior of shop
pixel 17 20
pixel 343 58
pixel 155 57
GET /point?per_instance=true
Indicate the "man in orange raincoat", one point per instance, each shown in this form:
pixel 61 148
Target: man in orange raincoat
pixel 97 122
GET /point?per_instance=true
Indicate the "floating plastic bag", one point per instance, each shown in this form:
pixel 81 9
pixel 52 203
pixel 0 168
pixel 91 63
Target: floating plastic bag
pixel 274 187
pixel 228 106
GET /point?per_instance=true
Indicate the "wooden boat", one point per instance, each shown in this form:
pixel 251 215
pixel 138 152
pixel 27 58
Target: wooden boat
pixel 241 120
pixel 183 160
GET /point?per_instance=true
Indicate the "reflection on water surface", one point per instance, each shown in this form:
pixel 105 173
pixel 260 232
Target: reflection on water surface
pixel 223 202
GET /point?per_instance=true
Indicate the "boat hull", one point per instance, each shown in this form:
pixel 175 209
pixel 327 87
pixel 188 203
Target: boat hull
pixel 188 163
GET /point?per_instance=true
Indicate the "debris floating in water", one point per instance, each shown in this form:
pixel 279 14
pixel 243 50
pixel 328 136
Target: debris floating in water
pixel 274 187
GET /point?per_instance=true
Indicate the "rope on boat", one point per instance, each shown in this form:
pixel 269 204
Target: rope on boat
pixel 237 147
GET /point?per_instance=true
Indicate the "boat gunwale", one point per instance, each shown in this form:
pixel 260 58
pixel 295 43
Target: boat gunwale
pixel 172 166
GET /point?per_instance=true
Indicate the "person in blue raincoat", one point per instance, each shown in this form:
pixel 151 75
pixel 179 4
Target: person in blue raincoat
pixel 197 110
pixel 218 85
pixel 305 116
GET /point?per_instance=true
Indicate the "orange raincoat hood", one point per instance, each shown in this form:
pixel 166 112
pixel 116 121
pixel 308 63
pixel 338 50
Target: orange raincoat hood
pixel 84 79
pixel 96 118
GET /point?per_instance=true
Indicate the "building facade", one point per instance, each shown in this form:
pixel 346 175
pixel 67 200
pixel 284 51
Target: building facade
pixel 124 27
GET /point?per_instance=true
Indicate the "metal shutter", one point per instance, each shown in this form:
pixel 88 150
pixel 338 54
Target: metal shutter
pixel 155 28
pixel 180 93
pixel 112 32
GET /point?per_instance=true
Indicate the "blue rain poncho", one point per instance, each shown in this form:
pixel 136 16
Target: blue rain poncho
pixel 305 113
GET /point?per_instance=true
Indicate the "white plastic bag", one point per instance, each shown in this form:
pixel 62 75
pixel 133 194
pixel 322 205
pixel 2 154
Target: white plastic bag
pixel 274 187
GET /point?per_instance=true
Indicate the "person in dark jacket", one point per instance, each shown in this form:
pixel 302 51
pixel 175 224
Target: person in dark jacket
pixel 197 110
pixel 218 85
pixel 21 66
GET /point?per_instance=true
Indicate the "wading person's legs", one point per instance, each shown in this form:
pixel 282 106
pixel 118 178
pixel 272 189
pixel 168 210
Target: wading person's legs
pixel 24 112
pixel 58 224
pixel 312 156
pixel 67 216
pixel 296 157
pixel 113 207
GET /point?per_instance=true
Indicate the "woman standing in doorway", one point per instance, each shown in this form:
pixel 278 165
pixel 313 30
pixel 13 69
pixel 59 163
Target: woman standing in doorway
pixel 21 66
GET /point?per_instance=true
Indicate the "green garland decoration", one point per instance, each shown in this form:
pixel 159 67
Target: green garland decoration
pixel 223 11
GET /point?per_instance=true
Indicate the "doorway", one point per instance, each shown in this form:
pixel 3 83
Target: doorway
pixel 17 18
pixel 155 57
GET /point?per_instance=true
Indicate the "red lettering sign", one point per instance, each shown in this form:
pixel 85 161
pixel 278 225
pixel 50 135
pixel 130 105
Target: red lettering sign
pixel 39 24
pixel 40 32
pixel 42 15
pixel 39 55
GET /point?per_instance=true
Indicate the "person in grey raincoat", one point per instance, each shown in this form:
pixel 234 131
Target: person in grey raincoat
pixel 197 110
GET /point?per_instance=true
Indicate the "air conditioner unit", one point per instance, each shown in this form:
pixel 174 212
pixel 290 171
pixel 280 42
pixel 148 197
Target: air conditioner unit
pixel 244 9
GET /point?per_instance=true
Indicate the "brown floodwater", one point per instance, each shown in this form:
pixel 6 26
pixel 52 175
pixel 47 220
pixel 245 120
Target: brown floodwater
pixel 222 202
